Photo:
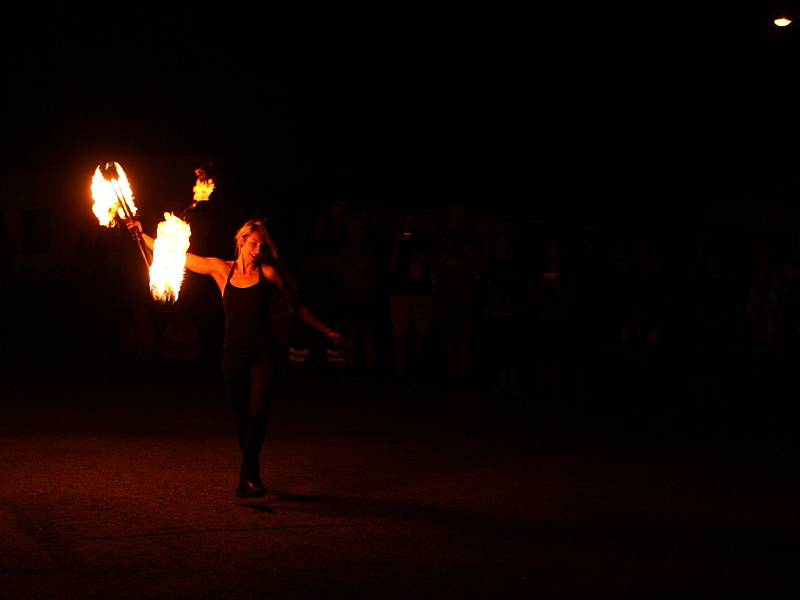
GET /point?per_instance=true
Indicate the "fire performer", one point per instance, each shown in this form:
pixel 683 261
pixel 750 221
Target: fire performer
pixel 249 348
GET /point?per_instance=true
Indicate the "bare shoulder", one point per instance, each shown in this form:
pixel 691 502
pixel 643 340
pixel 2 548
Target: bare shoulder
pixel 220 266
pixel 271 275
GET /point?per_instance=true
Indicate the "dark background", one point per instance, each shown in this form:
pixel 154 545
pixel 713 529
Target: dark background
pixel 557 105
pixel 601 128
pixel 664 117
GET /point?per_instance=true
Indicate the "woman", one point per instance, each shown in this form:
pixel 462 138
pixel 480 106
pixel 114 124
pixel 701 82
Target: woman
pixel 249 349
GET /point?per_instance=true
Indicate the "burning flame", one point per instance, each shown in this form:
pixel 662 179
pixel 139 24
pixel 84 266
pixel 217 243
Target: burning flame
pixel 782 22
pixel 107 192
pixel 169 258
pixel 203 187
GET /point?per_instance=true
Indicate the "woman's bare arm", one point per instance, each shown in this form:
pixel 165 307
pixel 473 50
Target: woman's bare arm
pixel 150 242
pixel 206 265
pixel 299 310
pixel 305 315
pixel 214 267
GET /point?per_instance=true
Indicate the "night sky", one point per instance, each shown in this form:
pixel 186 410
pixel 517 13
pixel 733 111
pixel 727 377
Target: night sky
pixel 555 105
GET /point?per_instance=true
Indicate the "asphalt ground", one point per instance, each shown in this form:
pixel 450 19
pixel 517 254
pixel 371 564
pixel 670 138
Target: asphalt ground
pixel 116 486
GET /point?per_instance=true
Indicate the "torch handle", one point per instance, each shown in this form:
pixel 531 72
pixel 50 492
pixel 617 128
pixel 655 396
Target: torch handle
pixel 185 211
pixel 142 248
pixel 121 199
pixel 136 234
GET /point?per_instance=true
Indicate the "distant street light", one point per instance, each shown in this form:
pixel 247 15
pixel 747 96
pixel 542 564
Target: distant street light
pixel 782 22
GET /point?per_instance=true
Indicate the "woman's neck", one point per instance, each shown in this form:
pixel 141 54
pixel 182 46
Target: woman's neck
pixel 245 267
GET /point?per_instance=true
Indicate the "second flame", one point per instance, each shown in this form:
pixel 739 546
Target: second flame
pixel 169 258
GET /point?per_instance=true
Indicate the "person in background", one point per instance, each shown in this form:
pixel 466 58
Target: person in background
pixel 454 275
pixel 410 292
pixel 501 287
pixel 552 307
pixel 357 279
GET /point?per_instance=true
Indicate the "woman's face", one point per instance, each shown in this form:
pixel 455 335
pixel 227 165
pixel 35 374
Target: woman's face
pixel 251 248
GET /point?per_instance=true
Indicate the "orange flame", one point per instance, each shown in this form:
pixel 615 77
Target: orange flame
pixel 169 258
pixel 202 189
pixel 106 194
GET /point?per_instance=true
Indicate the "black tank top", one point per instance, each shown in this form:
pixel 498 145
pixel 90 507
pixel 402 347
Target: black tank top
pixel 247 317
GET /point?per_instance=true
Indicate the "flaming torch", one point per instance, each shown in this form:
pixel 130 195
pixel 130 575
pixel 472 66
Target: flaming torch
pixel 169 258
pixel 203 188
pixel 172 242
pixel 113 199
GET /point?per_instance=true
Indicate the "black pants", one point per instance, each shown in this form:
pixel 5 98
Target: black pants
pixel 249 384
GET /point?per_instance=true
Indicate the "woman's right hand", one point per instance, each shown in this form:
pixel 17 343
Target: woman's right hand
pixel 134 226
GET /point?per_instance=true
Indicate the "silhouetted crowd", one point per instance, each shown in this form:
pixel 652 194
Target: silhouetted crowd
pixel 531 311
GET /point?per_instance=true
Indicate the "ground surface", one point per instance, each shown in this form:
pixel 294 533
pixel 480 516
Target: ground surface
pixel 112 489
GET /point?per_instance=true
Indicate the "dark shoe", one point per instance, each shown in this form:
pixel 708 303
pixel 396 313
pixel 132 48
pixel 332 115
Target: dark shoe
pixel 248 488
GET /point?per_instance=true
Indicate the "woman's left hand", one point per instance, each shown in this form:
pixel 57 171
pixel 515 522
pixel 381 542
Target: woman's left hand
pixel 333 335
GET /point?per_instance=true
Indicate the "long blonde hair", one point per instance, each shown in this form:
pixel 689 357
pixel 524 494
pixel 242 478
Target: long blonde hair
pixel 256 226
